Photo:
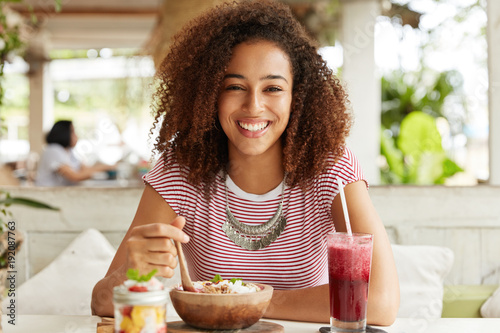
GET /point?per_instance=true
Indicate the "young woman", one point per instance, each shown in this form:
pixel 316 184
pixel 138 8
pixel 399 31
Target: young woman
pixel 253 125
pixel 58 164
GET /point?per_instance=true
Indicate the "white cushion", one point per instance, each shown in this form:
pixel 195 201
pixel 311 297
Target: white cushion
pixel 65 286
pixel 421 270
pixel 491 308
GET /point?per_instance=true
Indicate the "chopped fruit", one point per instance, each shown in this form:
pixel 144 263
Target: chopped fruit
pixel 137 288
pixel 125 311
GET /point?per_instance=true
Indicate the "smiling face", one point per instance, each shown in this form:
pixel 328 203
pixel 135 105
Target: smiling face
pixel 255 100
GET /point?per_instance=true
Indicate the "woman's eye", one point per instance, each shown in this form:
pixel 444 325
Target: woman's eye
pixel 274 89
pixel 234 88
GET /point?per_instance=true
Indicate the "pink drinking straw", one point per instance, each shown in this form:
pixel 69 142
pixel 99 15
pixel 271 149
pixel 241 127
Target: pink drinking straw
pixel 344 207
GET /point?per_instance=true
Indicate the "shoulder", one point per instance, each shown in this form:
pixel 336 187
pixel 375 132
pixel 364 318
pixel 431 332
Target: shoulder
pixel 170 180
pixel 346 167
pixel 56 152
pixel 347 160
pixel 54 148
pixel 167 172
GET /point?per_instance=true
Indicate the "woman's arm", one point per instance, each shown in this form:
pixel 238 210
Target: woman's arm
pixel 84 173
pixel 313 304
pixel 146 246
pixel 307 304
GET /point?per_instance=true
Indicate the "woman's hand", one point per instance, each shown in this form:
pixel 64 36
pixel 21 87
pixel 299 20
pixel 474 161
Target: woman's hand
pixel 150 247
pixel 146 246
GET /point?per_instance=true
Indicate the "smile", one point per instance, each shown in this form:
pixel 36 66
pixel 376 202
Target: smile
pixel 254 127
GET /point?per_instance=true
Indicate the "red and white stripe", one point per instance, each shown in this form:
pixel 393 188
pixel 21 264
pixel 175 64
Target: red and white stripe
pixel 296 259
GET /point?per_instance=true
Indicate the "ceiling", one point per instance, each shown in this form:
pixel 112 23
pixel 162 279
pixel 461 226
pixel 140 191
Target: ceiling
pixel 84 24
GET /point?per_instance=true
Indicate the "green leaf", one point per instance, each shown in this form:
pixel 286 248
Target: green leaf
pixel 216 278
pixel 147 277
pixel 420 142
pixel 430 168
pixel 233 280
pixel 419 134
pixel 34 19
pixel 26 202
pixel 58 5
pixel 394 158
pixel 133 274
pixel 449 168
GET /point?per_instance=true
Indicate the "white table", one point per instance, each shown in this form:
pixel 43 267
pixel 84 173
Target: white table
pixel 88 324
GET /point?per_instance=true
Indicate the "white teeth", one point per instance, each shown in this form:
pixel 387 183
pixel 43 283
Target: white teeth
pixel 253 127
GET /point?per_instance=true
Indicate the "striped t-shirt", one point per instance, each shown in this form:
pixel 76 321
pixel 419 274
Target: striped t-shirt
pixel 296 259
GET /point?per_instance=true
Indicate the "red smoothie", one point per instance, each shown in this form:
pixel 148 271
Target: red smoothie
pixel 349 262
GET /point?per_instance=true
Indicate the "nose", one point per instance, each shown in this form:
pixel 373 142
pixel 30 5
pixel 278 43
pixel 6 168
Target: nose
pixel 254 102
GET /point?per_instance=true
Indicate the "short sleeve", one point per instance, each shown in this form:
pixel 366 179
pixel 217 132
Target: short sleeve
pixel 57 156
pixel 170 183
pixel 347 168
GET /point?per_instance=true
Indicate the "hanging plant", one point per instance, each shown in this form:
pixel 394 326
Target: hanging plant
pixel 11 41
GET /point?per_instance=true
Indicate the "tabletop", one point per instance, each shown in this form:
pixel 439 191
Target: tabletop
pixel 88 324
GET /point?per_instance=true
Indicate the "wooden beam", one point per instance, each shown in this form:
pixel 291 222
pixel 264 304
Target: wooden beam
pixel 40 12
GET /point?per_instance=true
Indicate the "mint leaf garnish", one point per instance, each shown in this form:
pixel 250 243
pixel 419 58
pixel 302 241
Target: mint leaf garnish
pixel 233 280
pixel 133 274
pixel 216 278
pixel 147 277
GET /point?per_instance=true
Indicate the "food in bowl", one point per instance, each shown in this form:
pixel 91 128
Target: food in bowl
pixel 210 309
pixel 220 286
pixel 140 304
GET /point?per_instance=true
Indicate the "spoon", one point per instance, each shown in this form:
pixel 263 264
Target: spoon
pixel 187 284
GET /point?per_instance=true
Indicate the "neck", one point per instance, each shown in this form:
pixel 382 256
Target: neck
pixel 256 174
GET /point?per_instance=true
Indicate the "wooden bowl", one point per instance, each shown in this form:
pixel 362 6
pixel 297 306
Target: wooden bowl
pixel 221 311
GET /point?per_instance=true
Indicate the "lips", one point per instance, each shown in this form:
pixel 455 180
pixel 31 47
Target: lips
pixel 254 127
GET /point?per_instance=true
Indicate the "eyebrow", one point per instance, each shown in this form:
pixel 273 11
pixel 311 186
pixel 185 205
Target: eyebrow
pixel 267 77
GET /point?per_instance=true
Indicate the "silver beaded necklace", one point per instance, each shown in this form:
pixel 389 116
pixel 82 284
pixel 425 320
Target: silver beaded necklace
pixel 254 237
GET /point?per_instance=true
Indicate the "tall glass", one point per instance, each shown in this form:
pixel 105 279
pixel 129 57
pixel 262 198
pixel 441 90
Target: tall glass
pixel 349 264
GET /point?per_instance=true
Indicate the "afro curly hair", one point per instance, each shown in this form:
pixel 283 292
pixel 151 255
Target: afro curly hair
pixel 190 78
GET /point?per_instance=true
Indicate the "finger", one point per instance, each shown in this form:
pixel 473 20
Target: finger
pixel 160 244
pixel 155 230
pixel 161 259
pixel 162 270
pixel 147 261
pixel 179 222
pixel 139 247
pixel 165 271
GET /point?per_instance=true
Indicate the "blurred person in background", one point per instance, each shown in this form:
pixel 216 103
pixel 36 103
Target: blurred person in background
pixel 58 164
